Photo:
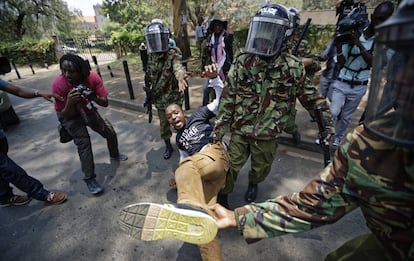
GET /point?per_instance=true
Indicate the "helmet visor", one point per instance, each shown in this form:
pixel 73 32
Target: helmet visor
pixel 157 38
pixel 390 108
pixel 266 36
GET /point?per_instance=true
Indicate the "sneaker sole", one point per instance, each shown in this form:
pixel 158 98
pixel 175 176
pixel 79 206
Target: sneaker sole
pixel 148 222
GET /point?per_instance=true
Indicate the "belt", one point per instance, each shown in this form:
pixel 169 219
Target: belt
pixel 353 83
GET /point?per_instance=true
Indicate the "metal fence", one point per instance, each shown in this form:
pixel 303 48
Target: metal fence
pixel 101 48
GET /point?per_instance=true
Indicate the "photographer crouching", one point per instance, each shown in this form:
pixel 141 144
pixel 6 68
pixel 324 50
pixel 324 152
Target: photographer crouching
pixel 80 89
pixel 354 43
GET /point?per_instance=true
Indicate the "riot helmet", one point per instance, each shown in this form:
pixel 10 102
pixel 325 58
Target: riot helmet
pixel 390 108
pixel 157 37
pixel 294 21
pixel 267 30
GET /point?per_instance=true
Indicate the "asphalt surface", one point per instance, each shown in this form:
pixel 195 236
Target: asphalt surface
pixel 85 227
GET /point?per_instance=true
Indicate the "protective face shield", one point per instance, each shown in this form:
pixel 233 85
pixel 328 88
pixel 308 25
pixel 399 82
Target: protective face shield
pixel 267 31
pixel 157 37
pixel 390 108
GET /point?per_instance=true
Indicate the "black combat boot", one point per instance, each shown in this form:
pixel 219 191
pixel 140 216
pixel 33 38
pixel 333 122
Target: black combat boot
pixel 168 149
pixel 251 193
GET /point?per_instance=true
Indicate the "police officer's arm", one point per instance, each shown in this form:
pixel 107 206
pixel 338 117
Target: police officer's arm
pixel 225 112
pixel 180 72
pixel 310 98
pixel 29 93
pixel 319 203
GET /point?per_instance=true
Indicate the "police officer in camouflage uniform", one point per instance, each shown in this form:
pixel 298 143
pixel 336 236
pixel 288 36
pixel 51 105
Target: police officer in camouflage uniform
pixel 373 167
pixel 167 76
pixel 259 94
pixel 311 62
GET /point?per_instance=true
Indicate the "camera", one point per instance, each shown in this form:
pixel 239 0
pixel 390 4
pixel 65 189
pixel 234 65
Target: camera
pixel 86 92
pixel 356 19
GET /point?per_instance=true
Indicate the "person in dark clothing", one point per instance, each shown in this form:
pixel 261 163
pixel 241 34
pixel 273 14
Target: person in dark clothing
pixel 12 173
pixel 218 50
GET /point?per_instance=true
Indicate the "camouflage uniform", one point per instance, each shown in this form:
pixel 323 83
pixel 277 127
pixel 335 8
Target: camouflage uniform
pixel 303 51
pixel 165 70
pixel 256 103
pixel 366 172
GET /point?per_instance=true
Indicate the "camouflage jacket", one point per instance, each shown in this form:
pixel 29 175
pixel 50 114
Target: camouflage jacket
pixel 305 52
pixel 258 96
pixel 165 70
pixel 366 172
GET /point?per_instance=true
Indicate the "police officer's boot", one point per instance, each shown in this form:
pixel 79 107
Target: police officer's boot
pixel 168 149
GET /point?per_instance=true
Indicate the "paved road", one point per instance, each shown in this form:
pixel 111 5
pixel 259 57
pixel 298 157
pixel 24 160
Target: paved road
pixel 85 228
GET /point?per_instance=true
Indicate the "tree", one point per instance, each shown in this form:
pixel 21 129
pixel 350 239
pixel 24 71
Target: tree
pixel 34 18
pixel 180 21
pixel 131 18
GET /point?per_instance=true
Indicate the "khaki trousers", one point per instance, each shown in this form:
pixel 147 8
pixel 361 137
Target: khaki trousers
pixel 199 178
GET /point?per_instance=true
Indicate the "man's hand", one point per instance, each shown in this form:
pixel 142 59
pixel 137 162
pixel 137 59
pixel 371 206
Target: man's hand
pixel 355 38
pixel 75 97
pixel 225 218
pixel 210 71
pixel 182 85
pixel 50 96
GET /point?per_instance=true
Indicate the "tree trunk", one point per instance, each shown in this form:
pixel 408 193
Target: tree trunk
pixel 180 27
pixel 19 25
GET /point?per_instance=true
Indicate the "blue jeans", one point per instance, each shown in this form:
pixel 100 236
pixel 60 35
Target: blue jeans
pixel 325 87
pixel 12 173
pixel 345 101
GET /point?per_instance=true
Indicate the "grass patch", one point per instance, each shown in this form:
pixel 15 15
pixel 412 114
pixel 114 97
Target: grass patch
pixel 133 61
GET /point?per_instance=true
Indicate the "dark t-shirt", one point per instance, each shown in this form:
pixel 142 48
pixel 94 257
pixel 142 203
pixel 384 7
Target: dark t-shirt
pixel 196 133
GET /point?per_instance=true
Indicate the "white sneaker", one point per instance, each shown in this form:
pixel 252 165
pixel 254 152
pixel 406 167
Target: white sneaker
pixel 149 221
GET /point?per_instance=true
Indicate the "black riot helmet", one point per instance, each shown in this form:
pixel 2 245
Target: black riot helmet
pixel 267 30
pixel 294 21
pixel 157 37
pixel 390 108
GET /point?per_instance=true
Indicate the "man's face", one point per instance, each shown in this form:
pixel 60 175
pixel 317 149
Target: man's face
pixel 218 27
pixel 262 44
pixel 175 116
pixel 70 73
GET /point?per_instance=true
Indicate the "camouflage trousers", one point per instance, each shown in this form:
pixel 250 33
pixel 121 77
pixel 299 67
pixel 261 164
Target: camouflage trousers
pixel 199 178
pixel 165 128
pixel 291 126
pixel 261 152
pixel 361 248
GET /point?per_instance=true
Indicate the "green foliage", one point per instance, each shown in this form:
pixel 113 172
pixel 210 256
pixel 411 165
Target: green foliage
pixel 128 20
pixel 34 19
pixel 329 4
pixel 130 41
pixel 319 36
pixel 30 51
